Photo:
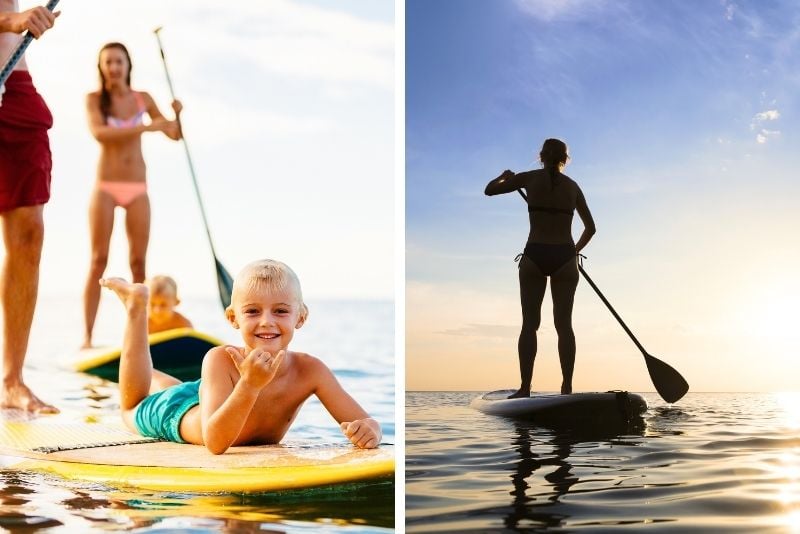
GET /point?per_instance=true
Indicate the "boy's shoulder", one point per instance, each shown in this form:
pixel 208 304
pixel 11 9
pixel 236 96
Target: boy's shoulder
pixel 216 356
pixel 305 360
pixel 310 366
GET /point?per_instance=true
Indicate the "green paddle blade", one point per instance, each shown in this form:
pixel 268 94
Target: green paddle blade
pixel 668 382
pixel 225 284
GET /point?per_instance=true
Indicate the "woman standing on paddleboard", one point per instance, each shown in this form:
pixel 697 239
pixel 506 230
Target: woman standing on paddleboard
pixel 116 119
pixel 552 199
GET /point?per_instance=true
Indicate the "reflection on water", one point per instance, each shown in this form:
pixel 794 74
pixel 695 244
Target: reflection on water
pixel 549 453
pixel 713 463
pixel 558 475
pixel 27 503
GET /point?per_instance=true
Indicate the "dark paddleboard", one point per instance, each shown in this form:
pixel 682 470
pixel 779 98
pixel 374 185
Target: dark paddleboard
pixel 611 407
pixel 177 352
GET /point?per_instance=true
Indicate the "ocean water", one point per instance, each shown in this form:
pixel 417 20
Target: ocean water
pixel 355 339
pixel 713 462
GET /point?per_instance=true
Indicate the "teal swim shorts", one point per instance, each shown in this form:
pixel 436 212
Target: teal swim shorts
pixel 159 415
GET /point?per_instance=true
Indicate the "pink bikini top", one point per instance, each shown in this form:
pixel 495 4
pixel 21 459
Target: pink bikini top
pixel 137 119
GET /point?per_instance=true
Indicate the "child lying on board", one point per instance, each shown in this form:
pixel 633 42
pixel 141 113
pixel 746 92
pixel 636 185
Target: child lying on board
pixel 246 395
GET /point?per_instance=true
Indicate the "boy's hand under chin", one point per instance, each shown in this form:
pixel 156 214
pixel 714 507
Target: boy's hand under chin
pixel 258 368
pixel 363 433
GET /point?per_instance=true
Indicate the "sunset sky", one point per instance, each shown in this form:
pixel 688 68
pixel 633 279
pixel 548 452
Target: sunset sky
pixel 681 118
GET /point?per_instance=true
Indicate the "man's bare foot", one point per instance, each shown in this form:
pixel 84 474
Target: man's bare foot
pixel 566 389
pixel 134 296
pixel 19 396
pixel 521 393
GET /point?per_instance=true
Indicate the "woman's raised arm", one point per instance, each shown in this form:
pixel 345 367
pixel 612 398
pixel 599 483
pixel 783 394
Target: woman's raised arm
pixel 505 183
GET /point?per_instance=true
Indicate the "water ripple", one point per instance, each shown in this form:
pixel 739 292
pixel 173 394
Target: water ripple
pixel 715 463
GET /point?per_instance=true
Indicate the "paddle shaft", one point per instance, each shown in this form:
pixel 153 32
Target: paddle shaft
pixel 611 309
pixel 19 51
pixel 224 280
pixel 186 147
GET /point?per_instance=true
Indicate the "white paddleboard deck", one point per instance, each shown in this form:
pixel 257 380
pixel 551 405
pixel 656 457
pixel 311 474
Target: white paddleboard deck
pixel 556 408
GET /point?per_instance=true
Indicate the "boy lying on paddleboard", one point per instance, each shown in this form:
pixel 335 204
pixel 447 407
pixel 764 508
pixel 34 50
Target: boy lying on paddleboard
pixel 246 395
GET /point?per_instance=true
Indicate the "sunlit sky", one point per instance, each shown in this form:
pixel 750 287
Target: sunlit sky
pixel 681 119
pixel 289 110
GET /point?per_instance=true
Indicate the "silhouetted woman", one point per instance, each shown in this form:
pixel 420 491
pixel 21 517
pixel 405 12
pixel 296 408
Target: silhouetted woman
pixel 553 197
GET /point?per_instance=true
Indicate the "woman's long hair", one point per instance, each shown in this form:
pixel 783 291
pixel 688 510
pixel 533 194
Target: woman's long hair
pixel 554 156
pixel 105 97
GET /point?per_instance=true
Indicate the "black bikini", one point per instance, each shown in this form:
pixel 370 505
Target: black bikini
pixel 548 257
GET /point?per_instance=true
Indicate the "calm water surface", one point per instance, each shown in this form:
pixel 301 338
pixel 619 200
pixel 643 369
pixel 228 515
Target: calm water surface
pixel 355 339
pixel 714 462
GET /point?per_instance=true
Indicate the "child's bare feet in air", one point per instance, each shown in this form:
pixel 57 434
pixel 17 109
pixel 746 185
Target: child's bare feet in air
pixel 132 295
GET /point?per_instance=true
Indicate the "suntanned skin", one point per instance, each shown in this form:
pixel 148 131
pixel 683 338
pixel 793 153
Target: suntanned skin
pixel 23 234
pixel 121 160
pixel 37 20
pixel 162 315
pixel 249 394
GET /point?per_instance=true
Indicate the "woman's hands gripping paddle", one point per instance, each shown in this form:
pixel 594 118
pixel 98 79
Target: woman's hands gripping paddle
pixel 258 368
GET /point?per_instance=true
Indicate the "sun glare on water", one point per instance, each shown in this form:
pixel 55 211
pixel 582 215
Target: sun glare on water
pixel 788 465
pixel 789 402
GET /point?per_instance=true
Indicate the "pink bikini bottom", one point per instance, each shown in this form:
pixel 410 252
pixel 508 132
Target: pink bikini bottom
pixel 123 193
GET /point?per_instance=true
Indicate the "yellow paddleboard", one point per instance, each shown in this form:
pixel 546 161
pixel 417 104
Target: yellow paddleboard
pixel 177 352
pixel 108 453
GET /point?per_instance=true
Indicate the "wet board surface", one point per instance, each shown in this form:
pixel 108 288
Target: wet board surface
pixel 554 408
pixel 112 455
pixel 178 352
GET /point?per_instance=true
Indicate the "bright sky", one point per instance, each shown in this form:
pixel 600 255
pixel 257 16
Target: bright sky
pixel 289 115
pixel 681 119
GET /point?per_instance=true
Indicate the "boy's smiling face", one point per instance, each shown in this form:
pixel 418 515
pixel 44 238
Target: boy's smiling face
pixel 267 318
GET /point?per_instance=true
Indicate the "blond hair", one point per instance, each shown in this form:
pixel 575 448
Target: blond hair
pixel 268 274
pixel 161 284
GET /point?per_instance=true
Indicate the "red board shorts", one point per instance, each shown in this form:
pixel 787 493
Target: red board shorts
pixel 25 160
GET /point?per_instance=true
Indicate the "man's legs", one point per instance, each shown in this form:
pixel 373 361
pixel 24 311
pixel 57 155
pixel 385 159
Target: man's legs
pixel 23 233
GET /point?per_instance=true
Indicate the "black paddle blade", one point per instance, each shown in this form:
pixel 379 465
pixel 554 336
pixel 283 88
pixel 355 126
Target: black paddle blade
pixel 668 382
pixel 225 284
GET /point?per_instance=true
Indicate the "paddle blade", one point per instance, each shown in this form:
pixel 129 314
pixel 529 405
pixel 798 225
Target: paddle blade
pixel 668 382
pixel 225 284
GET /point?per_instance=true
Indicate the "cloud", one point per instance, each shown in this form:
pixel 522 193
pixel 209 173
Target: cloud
pixel 730 9
pixel 549 10
pixel 295 40
pixel 764 135
pixel 483 330
pixel 769 115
